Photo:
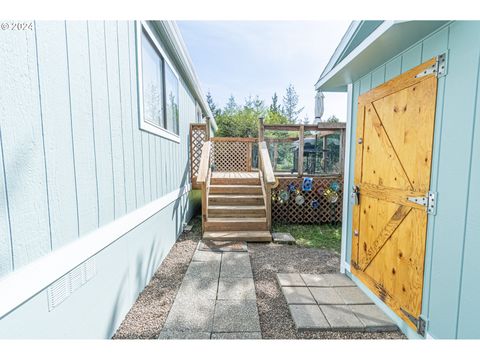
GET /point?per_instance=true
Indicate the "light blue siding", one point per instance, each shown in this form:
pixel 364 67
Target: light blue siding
pixel 82 125
pixel 23 147
pixel 57 131
pixel 451 291
pixel 6 254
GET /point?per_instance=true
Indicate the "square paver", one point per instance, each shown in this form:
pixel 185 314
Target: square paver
pixel 194 315
pixel 314 280
pixel 338 279
pixel 373 318
pixel 353 295
pixel 207 256
pixel 326 296
pixel 283 238
pixel 341 317
pixel 193 287
pixel 236 265
pixel 290 280
pixel 173 335
pixel 236 316
pixel 308 317
pixel 236 289
pixel 237 335
pixel 203 269
pixel 298 295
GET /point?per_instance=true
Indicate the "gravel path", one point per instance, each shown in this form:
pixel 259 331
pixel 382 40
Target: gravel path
pixel 147 316
pixel 275 319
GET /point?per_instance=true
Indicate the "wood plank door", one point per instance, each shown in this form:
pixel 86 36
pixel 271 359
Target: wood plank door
pixel 392 165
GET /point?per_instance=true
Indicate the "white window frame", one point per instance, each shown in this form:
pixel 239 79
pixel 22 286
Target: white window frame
pixel 142 26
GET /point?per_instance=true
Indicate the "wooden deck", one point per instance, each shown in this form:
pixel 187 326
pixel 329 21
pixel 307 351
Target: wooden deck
pixel 235 175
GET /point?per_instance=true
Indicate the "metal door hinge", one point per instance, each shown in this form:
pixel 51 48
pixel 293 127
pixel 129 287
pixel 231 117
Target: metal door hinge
pixel 429 201
pixel 355 195
pixel 439 68
pixel 419 323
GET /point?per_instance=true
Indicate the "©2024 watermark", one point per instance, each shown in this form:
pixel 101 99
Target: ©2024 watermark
pixel 16 26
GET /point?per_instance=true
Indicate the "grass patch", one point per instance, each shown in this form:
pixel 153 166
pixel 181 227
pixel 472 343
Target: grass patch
pixel 325 236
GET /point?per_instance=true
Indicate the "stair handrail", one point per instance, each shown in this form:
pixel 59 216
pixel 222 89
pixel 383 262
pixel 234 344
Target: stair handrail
pixel 203 178
pixel 268 179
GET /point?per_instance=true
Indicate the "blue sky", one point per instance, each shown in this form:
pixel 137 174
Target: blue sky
pixel 262 57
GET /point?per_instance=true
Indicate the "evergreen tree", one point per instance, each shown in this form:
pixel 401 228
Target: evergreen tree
pixel 231 107
pixel 275 107
pixel 290 105
pixel 333 119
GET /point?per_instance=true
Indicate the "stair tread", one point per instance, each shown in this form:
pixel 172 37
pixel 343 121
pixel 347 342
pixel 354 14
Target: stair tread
pixel 236 196
pixel 237 220
pixel 235 186
pixel 236 207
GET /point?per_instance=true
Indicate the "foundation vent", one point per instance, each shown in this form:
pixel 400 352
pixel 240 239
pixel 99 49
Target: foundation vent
pixel 61 289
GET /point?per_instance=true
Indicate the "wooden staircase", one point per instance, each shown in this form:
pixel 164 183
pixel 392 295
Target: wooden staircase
pixel 236 208
pixel 236 205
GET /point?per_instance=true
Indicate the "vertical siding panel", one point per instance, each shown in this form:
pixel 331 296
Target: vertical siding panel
pixel 365 83
pixel 159 167
pixel 448 245
pixel 146 166
pixel 378 76
pixel 115 117
pixel 137 137
pixel 469 316
pixel 393 68
pixel 153 166
pixel 6 252
pixel 435 45
pixel 22 142
pixel 82 124
pixel 412 58
pixel 124 74
pixel 98 68
pixel 57 129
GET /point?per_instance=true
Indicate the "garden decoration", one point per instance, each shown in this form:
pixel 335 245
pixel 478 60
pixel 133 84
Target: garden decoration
pixel 307 184
pixel 283 196
pixel 299 200
pixel 291 187
pixel 332 196
pixel 335 186
pixel 315 204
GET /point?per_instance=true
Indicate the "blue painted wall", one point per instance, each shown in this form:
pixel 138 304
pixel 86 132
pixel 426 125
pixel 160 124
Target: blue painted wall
pixel 73 159
pixel 451 290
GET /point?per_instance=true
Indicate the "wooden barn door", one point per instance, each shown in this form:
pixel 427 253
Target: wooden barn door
pixel 392 178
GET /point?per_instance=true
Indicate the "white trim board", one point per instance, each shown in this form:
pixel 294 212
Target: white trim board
pixel 21 285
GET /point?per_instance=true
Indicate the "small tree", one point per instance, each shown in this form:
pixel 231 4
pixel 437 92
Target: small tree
pixel 290 105
pixel 333 119
pixel 275 107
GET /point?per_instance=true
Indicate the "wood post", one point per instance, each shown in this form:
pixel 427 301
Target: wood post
pixel 249 156
pixel 301 142
pixel 342 151
pixel 207 129
pixel 261 130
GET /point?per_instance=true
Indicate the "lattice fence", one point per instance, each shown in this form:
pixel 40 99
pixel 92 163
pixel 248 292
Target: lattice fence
pixel 318 206
pixel 231 155
pixel 198 135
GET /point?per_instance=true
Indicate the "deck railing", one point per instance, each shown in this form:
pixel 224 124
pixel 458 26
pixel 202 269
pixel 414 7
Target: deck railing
pixel 232 154
pixel 203 179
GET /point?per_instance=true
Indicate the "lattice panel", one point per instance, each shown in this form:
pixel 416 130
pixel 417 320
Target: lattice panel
pixel 230 156
pixel 198 135
pixel 290 212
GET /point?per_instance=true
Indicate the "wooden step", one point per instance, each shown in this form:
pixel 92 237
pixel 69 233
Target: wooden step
pixel 235 181
pixel 236 211
pixel 236 224
pixel 250 236
pixel 235 200
pixel 236 189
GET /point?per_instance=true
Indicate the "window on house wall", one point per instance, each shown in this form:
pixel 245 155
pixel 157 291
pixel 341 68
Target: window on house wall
pixel 158 87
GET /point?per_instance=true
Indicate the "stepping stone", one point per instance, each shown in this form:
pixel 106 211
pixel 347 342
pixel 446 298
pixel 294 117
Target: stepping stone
pixel 373 318
pixel 222 246
pixel 236 289
pixel 194 315
pixel 353 295
pixel 206 256
pixel 236 265
pixel 236 316
pixel 203 269
pixel 237 335
pixel 315 280
pixel 308 317
pixel 298 295
pixel 326 296
pixel 172 335
pixel 338 279
pixel 341 317
pixel 283 238
pixel 193 287
pixel 290 280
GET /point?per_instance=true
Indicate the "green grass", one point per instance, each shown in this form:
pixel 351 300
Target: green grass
pixel 323 236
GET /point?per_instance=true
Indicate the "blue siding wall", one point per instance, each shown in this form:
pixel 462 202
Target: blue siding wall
pixel 72 156
pixel 451 290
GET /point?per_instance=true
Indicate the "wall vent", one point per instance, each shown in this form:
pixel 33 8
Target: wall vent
pixel 61 289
